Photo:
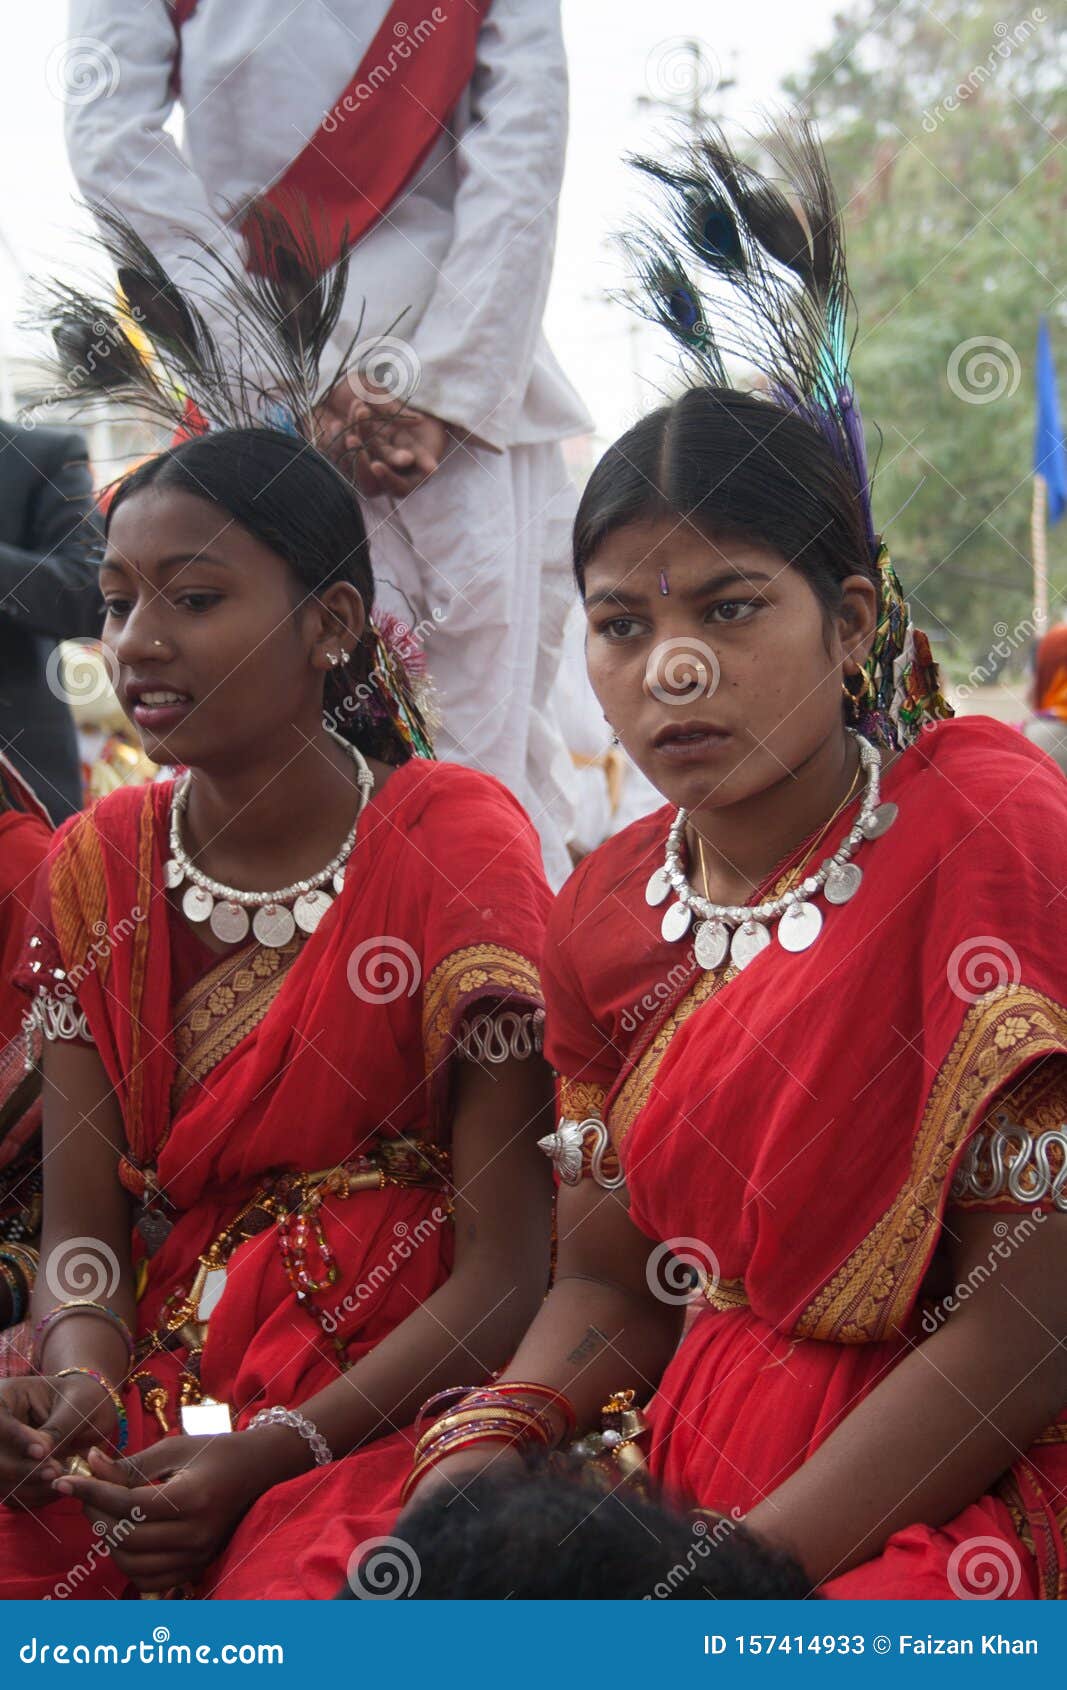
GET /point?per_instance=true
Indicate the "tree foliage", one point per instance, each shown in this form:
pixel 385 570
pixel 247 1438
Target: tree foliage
pixel 945 126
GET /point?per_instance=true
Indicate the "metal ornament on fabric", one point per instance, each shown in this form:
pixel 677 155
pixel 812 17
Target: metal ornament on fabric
pixel 711 943
pixel 229 922
pixel 676 921
pixel 750 939
pixel 800 926
pixel 658 888
pixel 273 926
pixel 842 883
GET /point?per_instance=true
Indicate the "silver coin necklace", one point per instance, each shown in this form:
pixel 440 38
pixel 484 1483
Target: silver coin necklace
pixel 273 916
pixel 742 931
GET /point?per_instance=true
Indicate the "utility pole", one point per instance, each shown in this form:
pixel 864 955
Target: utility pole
pixel 700 76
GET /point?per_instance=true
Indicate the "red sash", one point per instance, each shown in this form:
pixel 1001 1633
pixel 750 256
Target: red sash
pixel 381 127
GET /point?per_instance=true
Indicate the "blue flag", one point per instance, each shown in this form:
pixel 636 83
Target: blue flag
pixel 1050 459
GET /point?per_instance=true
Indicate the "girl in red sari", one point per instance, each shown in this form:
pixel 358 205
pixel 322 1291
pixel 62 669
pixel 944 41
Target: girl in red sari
pixel 291 1175
pixel 845 1122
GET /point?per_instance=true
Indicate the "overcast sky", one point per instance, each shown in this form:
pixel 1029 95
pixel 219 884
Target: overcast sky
pixel 619 50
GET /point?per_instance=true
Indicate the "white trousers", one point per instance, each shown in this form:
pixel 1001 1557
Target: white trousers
pixel 478 560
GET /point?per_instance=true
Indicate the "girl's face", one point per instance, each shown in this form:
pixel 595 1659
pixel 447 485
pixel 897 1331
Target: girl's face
pixel 216 653
pixel 726 683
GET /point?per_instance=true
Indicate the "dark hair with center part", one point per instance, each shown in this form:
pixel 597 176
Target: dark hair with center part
pixel 734 466
pixel 292 499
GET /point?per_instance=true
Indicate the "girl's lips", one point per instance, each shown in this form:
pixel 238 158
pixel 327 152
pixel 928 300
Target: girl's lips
pixel 157 718
pixel 693 746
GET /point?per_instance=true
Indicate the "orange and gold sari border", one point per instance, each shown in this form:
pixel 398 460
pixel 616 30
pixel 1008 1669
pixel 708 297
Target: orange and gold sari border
pixel 580 1100
pixel 475 974
pixel 633 1092
pixel 1040 1527
pixel 872 1293
pixel 223 1007
pixel 139 961
pixel 78 893
pixel 726 1294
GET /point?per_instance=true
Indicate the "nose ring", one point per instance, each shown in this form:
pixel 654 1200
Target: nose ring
pixel 157 642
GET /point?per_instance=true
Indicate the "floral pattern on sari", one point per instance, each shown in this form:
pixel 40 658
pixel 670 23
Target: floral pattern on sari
pixel 222 1008
pixel 874 1290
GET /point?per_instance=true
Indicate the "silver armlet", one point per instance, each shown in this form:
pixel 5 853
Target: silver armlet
pixel 1006 1160
pixel 565 1148
pixel 55 1018
pixel 500 1034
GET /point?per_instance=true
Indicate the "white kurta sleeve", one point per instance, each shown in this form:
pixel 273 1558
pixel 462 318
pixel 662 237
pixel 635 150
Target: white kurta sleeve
pixel 119 149
pixel 479 334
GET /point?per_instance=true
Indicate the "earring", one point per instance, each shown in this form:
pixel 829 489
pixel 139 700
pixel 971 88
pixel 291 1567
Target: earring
pixel 857 699
pixel 337 657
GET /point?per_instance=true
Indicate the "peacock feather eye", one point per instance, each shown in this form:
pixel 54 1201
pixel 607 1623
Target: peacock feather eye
pixel 683 308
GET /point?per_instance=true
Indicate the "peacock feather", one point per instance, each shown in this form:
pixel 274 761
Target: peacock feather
pixel 739 263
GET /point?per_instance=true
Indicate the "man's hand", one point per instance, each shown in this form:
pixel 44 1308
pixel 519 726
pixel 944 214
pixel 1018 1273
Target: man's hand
pixel 385 445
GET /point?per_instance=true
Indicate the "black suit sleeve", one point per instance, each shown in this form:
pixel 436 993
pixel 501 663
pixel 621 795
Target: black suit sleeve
pixel 49 586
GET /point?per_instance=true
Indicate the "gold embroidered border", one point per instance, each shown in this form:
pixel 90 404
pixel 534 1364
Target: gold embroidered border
pixel 871 1293
pixel 477 971
pixel 139 964
pixel 726 1294
pixel 223 1008
pixel 579 1099
pixel 78 892
pixel 635 1089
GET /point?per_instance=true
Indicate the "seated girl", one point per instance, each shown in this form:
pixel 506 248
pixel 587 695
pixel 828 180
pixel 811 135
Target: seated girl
pixel 809 1017
pixel 292 1088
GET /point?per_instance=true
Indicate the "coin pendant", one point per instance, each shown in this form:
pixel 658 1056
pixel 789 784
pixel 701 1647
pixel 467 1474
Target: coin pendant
pixel 842 883
pixel 273 925
pixel 197 904
pixel 339 880
pixel 711 943
pixel 750 938
pixel 880 822
pixel 658 888
pixel 229 922
pixel 173 874
pixel 675 923
pixel 310 908
pixel 800 926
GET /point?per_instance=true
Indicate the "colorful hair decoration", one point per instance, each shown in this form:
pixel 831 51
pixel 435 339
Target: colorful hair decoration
pixel 781 303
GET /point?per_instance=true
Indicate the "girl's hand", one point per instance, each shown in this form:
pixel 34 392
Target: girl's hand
pixel 171 1510
pixel 42 1422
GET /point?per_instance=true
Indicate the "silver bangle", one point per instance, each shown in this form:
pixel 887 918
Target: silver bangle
pixel 320 1449
pixel 1006 1160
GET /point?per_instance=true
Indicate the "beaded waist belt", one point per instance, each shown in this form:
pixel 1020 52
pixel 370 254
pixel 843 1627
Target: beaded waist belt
pixel 290 1201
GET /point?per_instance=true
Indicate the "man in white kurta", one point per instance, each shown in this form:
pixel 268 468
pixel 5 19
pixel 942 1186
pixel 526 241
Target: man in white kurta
pixel 477 554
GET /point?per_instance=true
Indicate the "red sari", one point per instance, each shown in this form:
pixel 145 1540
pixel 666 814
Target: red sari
pixel 25 830
pixel 262 1070
pixel 801 1124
